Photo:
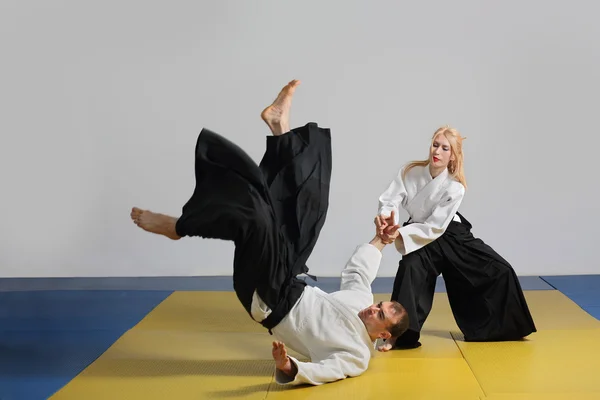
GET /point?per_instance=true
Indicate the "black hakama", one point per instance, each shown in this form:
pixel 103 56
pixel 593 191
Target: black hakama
pixel 273 212
pixel 483 289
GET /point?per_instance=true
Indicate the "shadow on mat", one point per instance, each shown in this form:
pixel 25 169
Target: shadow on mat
pixel 306 390
pixel 123 367
pixel 438 333
pixel 237 393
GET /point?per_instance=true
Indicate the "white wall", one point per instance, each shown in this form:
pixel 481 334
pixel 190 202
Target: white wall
pixel 102 103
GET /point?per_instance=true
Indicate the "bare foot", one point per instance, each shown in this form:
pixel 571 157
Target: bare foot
pixel 277 115
pixel 155 223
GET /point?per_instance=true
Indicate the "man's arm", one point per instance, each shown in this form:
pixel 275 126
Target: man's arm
pixel 378 243
pixel 290 371
pixel 361 269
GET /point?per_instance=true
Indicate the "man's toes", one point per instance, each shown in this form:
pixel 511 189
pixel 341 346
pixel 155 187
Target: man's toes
pixel 136 213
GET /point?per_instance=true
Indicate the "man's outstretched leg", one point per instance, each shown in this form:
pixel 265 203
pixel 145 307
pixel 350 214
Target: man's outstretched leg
pixel 277 115
pixel 229 202
pixel 273 212
pixel 155 223
pixel 222 162
pixel 297 169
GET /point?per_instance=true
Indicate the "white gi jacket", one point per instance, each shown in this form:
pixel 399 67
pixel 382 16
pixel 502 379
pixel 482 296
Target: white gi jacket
pixel 326 328
pixel 430 203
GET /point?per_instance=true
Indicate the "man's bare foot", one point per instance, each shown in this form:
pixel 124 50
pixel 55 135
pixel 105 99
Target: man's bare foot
pixel 277 115
pixel 155 223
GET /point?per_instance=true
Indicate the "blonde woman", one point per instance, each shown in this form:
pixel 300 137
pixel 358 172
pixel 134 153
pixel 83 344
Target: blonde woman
pixel 485 295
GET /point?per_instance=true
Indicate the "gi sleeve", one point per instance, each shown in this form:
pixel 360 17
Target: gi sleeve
pixel 337 366
pixel 361 269
pixel 393 197
pixel 417 235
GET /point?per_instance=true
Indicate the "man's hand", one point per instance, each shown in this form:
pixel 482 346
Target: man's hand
pixel 282 361
pixel 387 346
pixel 384 347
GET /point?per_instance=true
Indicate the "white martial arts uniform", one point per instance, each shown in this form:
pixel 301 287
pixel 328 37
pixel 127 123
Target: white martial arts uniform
pixel 430 203
pixel 326 328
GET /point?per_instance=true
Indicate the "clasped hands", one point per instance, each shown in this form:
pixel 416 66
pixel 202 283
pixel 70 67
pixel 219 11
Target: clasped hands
pixel 387 229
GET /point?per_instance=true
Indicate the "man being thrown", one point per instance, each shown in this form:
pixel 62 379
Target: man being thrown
pixel 274 212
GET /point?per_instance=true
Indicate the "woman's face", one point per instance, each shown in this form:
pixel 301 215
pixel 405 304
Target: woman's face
pixel 441 152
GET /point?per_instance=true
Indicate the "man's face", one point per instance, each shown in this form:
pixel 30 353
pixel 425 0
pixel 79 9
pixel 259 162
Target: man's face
pixel 378 317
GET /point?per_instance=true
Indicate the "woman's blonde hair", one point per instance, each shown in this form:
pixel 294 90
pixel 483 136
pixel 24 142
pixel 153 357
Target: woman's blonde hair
pixel 455 167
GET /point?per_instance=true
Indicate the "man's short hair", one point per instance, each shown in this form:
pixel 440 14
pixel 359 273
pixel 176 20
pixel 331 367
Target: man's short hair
pixel 401 326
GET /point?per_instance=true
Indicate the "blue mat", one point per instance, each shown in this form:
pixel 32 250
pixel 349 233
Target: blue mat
pixel 593 311
pixel 582 289
pixel 47 338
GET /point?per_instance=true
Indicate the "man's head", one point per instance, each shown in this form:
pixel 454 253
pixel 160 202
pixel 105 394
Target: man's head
pixel 385 320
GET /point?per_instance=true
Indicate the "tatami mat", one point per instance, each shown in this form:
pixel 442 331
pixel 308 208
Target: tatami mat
pixel 420 378
pixel 113 377
pixel 193 345
pixel 552 361
pixel 47 338
pixel 200 345
pixel 544 396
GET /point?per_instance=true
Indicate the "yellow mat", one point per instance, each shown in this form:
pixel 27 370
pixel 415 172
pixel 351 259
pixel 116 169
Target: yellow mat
pixel 203 345
pixel 544 396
